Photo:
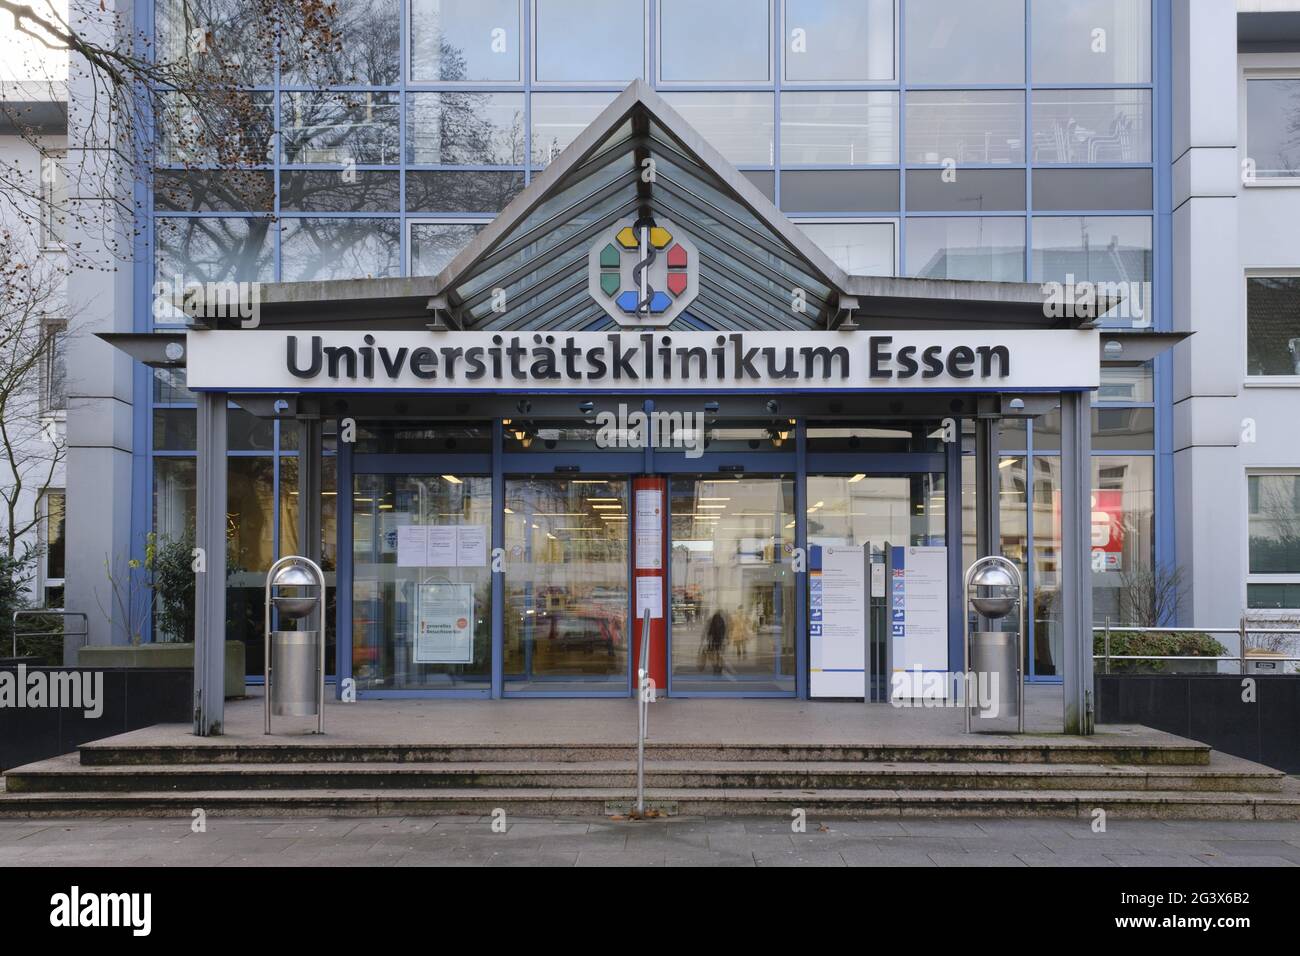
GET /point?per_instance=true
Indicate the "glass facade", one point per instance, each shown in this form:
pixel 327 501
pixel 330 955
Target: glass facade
pixel 1004 155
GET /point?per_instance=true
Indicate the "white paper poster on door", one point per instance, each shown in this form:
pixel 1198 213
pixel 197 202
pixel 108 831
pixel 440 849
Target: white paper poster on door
pixel 444 623
pixel 837 621
pixel 918 619
pixel 649 529
pixel 412 546
pixel 649 597
pixel 471 545
pixel 441 546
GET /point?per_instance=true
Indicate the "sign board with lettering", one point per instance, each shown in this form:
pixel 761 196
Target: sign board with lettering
pixel 1051 360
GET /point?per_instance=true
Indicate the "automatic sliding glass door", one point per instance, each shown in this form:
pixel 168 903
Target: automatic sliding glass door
pixel 566 585
pixel 899 510
pixel 733 603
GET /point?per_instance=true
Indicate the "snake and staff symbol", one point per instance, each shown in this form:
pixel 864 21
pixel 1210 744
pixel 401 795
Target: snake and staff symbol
pixel 654 259
pixel 640 272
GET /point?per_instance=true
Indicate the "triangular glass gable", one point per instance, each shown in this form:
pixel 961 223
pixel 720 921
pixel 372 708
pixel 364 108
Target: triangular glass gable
pixel 756 269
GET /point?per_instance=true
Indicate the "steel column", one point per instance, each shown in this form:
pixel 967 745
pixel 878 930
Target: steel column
pixel 1076 565
pixel 987 487
pixel 210 576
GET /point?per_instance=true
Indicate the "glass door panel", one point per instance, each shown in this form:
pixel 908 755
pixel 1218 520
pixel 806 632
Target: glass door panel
pixel 566 585
pixel 898 510
pixel 733 607
pixel 421 616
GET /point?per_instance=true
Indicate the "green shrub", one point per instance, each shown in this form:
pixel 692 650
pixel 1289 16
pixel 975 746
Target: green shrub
pixel 1162 644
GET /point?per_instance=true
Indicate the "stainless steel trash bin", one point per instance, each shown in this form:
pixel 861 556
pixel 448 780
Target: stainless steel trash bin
pixel 994 653
pixel 295 673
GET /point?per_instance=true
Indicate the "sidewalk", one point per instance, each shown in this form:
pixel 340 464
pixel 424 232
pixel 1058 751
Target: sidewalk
pixel 469 841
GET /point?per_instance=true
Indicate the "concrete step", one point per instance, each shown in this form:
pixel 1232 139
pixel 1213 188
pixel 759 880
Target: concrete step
pixel 533 802
pixel 1099 750
pixel 67 775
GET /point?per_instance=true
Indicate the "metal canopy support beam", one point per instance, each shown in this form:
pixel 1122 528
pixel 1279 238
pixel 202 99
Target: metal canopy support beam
pixel 309 492
pixel 987 481
pixel 1076 569
pixel 309 488
pixel 210 576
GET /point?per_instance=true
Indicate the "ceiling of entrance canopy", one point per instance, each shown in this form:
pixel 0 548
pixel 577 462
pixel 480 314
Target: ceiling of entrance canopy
pixel 530 269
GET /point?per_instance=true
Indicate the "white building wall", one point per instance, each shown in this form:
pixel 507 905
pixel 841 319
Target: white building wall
pixel 100 391
pixel 1206 302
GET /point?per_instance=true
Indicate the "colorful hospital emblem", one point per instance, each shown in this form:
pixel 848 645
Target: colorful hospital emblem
pixel 643 271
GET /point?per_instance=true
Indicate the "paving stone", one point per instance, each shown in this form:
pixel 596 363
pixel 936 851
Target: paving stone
pixel 798 857
pixel 877 856
pixel 977 858
pixel 622 858
pixel 1056 859
pixel 1157 860
pixel 533 859
pixel 1234 861
pixel 1256 848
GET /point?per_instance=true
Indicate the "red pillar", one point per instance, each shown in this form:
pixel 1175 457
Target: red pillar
pixel 649 555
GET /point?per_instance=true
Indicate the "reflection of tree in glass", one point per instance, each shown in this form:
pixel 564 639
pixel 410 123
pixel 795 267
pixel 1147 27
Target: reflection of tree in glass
pixel 460 127
pixel 1286 161
pixel 339 128
pixel 338 249
pixel 1275 525
pixel 214 250
pixel 366 52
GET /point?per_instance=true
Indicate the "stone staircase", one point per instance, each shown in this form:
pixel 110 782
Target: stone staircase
pixel 1031 776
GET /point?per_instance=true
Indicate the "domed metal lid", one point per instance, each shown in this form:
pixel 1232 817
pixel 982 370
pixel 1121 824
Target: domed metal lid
pixel 294 576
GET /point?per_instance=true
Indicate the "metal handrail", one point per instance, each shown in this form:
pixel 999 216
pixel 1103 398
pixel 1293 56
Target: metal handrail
pixel 1242 630
pixel 642 710
pixel 53 612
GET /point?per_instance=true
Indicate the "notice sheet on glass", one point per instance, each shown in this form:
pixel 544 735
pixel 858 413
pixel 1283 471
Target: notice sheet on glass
pixel 444 623
pixel 649 529
pixel 442 546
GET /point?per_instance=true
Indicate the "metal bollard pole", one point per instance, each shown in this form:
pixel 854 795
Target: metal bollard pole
pixel 1241 646
pixel 1106 647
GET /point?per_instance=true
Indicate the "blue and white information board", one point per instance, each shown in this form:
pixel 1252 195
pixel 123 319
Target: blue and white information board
pixel 918 617
pixel 837 620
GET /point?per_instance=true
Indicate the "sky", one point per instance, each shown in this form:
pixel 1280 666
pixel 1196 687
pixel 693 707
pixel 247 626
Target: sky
pixel 22 58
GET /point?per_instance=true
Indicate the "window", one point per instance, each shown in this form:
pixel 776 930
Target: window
pixel 1273 325
pixel 738 125
pixel 828 41
pixel 188 30
pixel 574 46
pixel 859 248
pixel 1126 383
pixel 956 41
pixel 1273 540
pixel 1273 128
pixel 723 41
pixel 1092 126
pixel 54 384
pixel 209 249
pixel 558 118
pixel 974 247
pixel 434 244
pixel 366 51
pixel 339 128
pixel 1091 41
pixel 466 41
pixel 980 127
pixel 1112 251
pixel 312 249
pixel 54 198
pixel 839 128
pixel 465 129
pixel 53 540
